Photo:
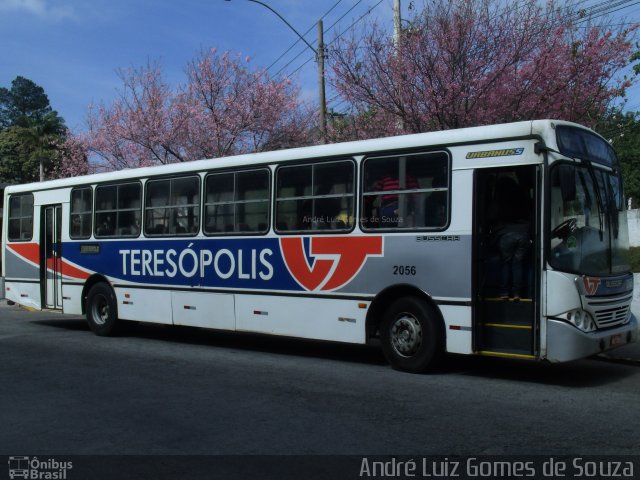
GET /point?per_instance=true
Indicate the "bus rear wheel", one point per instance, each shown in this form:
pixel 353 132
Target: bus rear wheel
pixel 102 309
pixel 411 335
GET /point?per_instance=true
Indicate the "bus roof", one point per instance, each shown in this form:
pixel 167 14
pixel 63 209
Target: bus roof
pixel 468 135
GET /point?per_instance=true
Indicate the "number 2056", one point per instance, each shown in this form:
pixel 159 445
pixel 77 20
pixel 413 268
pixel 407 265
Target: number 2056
pixel 404 269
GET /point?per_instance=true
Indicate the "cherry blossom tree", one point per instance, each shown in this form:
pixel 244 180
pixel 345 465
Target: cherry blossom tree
pixel 231 109
pixel 73 157
pixel 224 108
pixel 141 127
pixel 473 62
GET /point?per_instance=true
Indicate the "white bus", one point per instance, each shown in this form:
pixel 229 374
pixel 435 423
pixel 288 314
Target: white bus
pixel 506 240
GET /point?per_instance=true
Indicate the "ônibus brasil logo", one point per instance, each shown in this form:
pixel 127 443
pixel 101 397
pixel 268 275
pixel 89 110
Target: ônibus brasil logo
pixel 331 262
pixel 34 468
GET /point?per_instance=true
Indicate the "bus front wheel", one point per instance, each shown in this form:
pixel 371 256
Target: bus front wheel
pixel 411 335
pixel 102 309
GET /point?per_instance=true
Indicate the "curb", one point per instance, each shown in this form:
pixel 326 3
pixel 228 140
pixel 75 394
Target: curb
pixel 603 357
pixel 28 309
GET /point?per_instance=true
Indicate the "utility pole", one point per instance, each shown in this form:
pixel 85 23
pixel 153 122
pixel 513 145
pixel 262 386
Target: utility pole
pixel 319 58
pixel 323 103
pixel 397 31
pixel 396 24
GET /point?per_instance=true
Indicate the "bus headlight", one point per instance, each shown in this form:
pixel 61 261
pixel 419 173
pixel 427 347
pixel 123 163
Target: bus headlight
pixel 580 319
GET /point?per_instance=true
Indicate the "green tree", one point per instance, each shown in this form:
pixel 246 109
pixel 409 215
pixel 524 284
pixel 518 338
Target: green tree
pixel 23 104
pixel 17 165
pixel 635 58
pixel 30 132
pixel 623 131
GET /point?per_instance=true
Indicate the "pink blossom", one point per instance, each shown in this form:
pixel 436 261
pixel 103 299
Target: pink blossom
pixel 222 109
pixel 474 62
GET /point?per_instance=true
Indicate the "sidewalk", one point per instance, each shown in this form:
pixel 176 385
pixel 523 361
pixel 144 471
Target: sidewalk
pixel 626 354
pixel 629 353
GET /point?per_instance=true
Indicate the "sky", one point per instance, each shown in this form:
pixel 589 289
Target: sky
pixel 73 48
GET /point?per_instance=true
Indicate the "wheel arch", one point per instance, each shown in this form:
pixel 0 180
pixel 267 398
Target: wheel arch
pixel 91 281
pixel 390 294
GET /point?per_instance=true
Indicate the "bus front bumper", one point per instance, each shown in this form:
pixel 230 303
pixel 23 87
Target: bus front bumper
pixel 565 342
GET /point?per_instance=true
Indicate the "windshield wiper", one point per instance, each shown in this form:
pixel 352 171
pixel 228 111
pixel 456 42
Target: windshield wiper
pixel 613 209
pixel 596 184
pixel 587 195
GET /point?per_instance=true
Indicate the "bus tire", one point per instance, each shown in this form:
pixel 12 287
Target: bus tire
pixel 411 335
pixel 102 309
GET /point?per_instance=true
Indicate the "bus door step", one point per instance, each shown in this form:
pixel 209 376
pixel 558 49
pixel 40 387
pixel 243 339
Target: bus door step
pixel 507 326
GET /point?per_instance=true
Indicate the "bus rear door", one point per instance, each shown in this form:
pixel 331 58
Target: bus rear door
pixel 51 256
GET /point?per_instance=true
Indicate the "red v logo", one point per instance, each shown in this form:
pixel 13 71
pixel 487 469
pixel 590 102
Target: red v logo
pixel 337 260
pixel 591 284
pixel 310 277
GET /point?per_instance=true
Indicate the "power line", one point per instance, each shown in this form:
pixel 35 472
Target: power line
pixel 304 35
pixel 344 15
pixel 313 42
pixel 606 6
pixel 354 23
pixel 368 12
pixel 329 43
pixel 612 24
pixel 602 9
pixel 621 8
pixel 297 69
pixel 265 71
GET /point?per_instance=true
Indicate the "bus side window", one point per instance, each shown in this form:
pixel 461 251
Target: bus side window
pixel 237 202
pixel 406 192
pixel 252 201
pixel 315 197
pixel 81 212
pixel 185 205
pixel 294 207
pixel 20 217
pixel 435 203
pixel 156 201
pixel 118 210
pixel 172 206
pixel 129 209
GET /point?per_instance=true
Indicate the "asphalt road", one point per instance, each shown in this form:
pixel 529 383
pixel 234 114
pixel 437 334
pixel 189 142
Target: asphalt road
pixel 164 390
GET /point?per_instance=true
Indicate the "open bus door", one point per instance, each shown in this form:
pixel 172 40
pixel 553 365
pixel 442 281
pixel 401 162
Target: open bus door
pixel 51 256
pixel 505 310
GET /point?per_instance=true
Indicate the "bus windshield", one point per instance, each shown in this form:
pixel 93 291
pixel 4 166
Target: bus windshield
pixel 589 233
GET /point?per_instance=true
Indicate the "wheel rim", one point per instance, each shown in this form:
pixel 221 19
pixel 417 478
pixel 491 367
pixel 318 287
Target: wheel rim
pixel 100 309
pixel 406 335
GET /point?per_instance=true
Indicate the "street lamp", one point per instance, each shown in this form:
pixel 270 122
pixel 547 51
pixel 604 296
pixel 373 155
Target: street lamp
pixel 319 53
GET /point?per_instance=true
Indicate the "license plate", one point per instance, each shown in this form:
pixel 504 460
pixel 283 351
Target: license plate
pixel 616 340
